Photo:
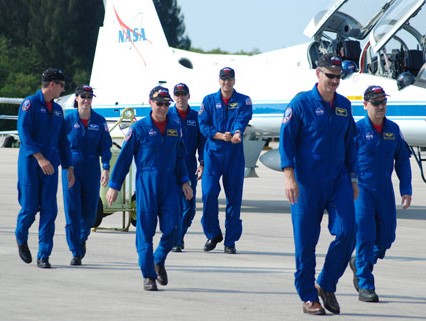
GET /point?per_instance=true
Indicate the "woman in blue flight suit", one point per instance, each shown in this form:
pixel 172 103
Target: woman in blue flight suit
pixel 89 139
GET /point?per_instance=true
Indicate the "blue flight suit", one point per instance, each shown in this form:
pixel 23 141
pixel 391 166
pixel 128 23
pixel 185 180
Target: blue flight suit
pixel 375 211
pixel 39 131
pixel 160 173
pixel 317 140
pixel 81 200
pixel 194 142
pixel 223 159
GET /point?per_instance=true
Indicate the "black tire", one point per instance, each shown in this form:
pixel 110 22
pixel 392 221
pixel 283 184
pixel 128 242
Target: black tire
pixel 133 215
pixel 99 213
pixel 9 141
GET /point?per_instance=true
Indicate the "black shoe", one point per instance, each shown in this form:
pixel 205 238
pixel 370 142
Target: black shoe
pixel 353 268
pixel 83 249
pixel 368 296
pixel 177 248
pixel 161 274
pixel 76 260
pixel 211 244
pixel 24 253
pixel 43 263
pixel 329 300
pixel 150 285
pixel 230 250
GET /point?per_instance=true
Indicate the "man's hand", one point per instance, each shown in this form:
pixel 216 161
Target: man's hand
pixel 199 172
pixel 355 189
pixel 104 178
pixel 70 176
pixel 236 138
pixel 291 188
pixel 227 136
pixel 111 195
pixel 406 201
pixel 44 164
pixel 187 191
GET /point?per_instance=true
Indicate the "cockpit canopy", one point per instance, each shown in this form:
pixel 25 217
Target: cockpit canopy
pixel 384 44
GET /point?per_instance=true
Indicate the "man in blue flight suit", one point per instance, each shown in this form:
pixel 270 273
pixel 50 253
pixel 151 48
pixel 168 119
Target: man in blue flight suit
pixel 318 159
pixel 380 148
pixel 194 143
pixel 156 144
pixel 89 139
pixel 223 117
pixel 43 146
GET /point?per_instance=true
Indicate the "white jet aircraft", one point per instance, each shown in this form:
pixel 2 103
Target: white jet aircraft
pixel 132 56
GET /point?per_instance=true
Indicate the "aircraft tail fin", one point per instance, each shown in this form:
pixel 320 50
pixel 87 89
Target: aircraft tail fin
pixel 130 44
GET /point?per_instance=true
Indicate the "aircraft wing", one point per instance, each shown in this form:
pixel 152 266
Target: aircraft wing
pixel 9 117
pixel 6 100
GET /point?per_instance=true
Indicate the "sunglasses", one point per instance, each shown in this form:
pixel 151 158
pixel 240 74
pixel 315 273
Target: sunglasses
pixel 180 94
pixel 377 103
pixel 86 96
pixel 331 76
pixel 60 83
pixel 161 104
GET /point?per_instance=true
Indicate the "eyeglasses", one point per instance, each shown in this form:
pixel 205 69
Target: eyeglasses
pixel 60 83
pixel 331 76
pixel 161 104
pixel 86 96
pixel 180 94
pixel 377 103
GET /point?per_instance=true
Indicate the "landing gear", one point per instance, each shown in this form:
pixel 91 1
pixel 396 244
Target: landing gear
pixel 419 159
pixel 99 213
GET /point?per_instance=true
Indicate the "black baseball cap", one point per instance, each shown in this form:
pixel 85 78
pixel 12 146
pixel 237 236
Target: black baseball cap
pixel 160 93
pixel 330 61
pixel 226 72
pixel 374 92
pixel 181 88
pixel 84 89
pixel 52 74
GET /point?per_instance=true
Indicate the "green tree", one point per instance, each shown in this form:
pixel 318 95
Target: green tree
pixel 37 34
pixel 53 34
pixel 65 32
pixel 14 17
pixel 173 23
pixel 15 78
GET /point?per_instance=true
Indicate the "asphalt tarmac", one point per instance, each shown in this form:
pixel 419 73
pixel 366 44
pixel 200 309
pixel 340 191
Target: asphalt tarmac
pixel 255 284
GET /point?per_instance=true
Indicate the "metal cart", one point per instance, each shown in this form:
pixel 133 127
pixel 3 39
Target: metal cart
pixel 126 200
